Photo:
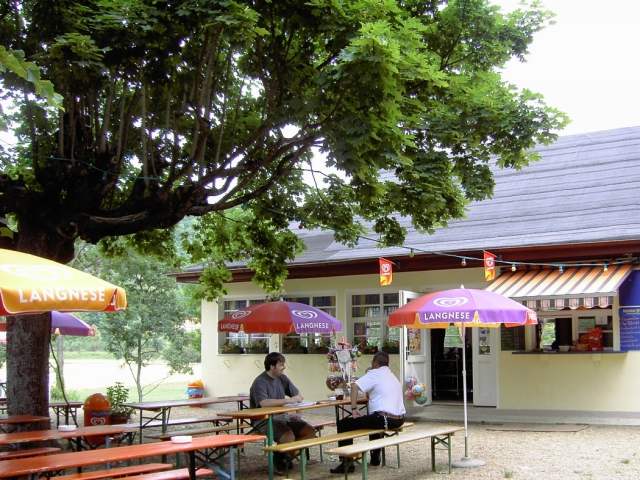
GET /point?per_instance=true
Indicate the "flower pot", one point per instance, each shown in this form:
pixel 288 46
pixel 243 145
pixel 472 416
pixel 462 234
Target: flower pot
pixel 119 418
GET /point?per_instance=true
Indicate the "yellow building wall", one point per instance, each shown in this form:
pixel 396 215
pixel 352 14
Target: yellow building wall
pixel 595 382
pixel 230 374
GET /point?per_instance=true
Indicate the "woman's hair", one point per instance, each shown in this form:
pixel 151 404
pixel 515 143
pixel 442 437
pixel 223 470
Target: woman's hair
pixel 275 357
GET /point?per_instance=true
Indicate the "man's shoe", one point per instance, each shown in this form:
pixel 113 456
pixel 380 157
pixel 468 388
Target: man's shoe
pixel 281 464
pixel 340 469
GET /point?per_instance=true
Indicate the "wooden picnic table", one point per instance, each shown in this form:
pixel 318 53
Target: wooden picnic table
pixel 162 408
pixel 20 420
pixel 267 413
pixel 62 461
pixel 75 435
pixel 66 410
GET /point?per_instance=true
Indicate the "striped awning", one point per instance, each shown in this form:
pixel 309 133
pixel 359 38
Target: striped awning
pixel 575 287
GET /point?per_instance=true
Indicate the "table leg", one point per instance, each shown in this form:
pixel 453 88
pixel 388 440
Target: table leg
pixel 165 419
pixel 192 465
pixel 232 463
pixel 303 463
pixel 433 454
pixel 269 443
pixel 449 449
pixel 141 426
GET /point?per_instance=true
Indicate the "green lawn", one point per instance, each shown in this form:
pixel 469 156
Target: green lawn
pixel 166 391
pixel 88 355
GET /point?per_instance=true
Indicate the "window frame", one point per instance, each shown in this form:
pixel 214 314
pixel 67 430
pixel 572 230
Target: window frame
pixel 575 316
pixel 242 340
pixel 320 341
pixel 387 335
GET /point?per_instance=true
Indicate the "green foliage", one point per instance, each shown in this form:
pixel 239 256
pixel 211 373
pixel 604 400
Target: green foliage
pixel 179 109
pixel 13 61
pixel 57 395
pixel 215 109
pixel 118 395
pixel 153 325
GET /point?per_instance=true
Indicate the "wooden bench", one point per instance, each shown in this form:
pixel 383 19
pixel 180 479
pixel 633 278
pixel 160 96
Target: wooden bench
pixel 193 432
pixel 177 474
pixel 217 420
pixel 28 452
pixel 117 472
pixel 304 445
pixel 319 427
pixel 440 435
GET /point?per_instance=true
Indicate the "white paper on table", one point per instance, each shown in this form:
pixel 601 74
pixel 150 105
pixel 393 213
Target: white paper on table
pixel 299 404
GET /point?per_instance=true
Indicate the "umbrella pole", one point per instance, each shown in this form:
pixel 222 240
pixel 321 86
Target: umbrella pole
pixel 466 461
pixel 464 391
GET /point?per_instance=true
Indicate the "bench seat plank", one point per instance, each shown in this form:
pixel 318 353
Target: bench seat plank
pixel 312 442
pixel 356 450
pixel 177 474
pixel 182 421
pixel 117 472
pixel 437 435
pixel 193 431
pixel 29 452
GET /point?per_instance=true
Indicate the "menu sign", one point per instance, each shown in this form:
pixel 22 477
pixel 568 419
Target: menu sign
pixel 629 328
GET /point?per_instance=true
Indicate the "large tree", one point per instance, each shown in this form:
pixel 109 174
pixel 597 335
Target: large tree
pixel 153 326
pixel 176 108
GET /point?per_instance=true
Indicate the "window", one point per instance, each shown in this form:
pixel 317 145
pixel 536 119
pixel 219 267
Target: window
pixel 604 323
pixel 572 329
pixel 369 313
pixel 310 342
pixel 512 338
pixel 242 342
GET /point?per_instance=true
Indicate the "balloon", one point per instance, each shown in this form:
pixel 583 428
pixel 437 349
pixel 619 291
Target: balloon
pixel 421 400
pixel 418 389
pixel 410 381
pixel 408 394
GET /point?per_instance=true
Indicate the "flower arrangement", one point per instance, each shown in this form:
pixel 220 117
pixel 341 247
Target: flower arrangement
pixel 343 364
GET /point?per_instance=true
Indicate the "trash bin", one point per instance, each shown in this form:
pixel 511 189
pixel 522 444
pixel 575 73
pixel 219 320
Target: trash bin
pixel 195 389
pixel 97 411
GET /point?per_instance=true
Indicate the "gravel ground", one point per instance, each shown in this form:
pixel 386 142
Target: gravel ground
pixel 594 453
pixel 597 452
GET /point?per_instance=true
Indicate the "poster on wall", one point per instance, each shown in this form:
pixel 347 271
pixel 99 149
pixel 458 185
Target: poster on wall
pixel 415 340
pixel 629 328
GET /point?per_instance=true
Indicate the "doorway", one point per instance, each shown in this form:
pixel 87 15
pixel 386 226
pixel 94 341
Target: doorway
pixel 446 368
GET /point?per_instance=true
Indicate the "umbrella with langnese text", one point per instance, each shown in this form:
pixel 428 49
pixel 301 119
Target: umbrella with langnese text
pixel 279 317
pixel 32 284
pixel 462 307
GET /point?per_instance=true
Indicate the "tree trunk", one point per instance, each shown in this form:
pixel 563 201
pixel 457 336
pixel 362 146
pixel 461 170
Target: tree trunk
pixel 28 364
pixel 28 335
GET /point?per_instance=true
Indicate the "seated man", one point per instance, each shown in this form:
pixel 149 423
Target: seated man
pixel 386 405
pixel 272 388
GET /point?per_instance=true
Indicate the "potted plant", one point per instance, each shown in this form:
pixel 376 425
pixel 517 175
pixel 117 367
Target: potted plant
pixel 258 346
pixel 118 394
pixel 391 346
pixel 231 348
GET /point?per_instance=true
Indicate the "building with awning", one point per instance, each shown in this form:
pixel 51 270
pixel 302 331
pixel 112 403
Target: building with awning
pixel 566 237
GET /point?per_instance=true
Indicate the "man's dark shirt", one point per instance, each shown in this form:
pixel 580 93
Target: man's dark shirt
pixel 265 387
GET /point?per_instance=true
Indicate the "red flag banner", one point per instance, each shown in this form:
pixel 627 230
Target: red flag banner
pixel 386 272
pixel 489 266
